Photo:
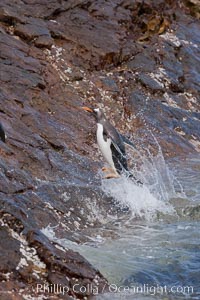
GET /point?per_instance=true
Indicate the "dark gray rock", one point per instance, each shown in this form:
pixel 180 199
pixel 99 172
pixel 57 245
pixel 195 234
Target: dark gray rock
pixel 55 57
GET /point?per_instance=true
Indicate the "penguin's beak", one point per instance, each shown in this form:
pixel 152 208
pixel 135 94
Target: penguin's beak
pixel 87 109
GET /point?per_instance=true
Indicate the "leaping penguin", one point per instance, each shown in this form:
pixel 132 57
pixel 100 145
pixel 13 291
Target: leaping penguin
pixel 111 144
pixel 2 133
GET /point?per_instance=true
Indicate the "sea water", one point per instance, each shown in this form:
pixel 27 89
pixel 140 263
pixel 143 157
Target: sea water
pixel 156 251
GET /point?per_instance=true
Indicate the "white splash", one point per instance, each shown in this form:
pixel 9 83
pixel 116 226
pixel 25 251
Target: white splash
pixel 153 196
pixel 141 202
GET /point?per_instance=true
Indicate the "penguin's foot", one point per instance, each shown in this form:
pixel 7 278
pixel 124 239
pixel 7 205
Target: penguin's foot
pixel 112 175
pixel 106 169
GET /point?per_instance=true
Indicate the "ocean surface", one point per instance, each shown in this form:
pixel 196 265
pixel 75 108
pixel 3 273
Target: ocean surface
pixel 152 252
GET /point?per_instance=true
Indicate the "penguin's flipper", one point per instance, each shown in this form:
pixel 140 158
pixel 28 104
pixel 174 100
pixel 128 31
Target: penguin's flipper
pixel 122 153
pixel 127 141
pixel 116 138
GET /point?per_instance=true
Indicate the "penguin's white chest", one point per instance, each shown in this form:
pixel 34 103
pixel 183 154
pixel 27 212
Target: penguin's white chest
pixel 104 146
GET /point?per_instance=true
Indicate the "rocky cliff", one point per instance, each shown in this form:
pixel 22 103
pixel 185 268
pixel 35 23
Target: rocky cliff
pixel 139 61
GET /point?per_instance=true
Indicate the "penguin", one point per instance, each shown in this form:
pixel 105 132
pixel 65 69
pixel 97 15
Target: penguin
pixel 111 145
pixel 2 133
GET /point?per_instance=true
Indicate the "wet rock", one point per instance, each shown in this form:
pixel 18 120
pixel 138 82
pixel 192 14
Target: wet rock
pixel 43 42
pixel 56 57
pixel 35 31
pixel 9 258
pixel 107 84
pixel 150 83
pixel 191 211
pixel 35 259
pixel 71 263
pixel 10 15
pixel 142 61
pixel 194 7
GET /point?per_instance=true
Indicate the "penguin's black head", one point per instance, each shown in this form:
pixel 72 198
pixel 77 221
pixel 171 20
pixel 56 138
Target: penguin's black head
pixel 96 112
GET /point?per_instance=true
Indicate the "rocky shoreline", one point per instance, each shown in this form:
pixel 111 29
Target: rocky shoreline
pixel 139 61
